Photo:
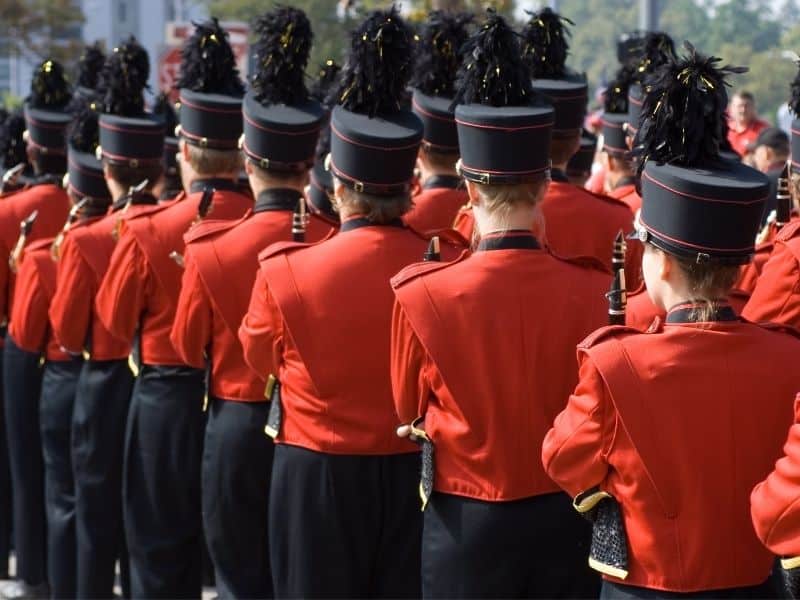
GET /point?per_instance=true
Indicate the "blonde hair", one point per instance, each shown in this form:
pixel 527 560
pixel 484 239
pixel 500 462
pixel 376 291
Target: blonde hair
pixel 501 199
pixel 377 209
pixel 210 161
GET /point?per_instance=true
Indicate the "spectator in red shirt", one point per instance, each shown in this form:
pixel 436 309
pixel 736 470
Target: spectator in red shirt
pixel 743 121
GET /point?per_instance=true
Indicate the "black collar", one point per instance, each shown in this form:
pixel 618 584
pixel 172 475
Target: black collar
pixel 358 222
pixel 94 209
pixel 450 182
pixel 140 198
pixel 46 178
pixel 513 239
pixel 687 313
pixel 198 185
pixel 558 175
pixel 626 180
pixel 277 199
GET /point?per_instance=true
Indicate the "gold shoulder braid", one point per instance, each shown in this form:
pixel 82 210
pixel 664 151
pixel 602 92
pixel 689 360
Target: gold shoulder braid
pixel 74 213
pixel 25 228
pixel 11 176
pixel 204 208
pixel 133 191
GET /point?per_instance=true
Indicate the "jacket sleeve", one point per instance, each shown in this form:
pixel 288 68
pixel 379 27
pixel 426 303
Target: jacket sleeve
pixel 70 309
pixel 261 332
pixel 5 283
pixel 575 450
pixel 776 297
pixel 123 292
pixel 775 502
pixel 191 330
pixel 410 385
pixel 29 328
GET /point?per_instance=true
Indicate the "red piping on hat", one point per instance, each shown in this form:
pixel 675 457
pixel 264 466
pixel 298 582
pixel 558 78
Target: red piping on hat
pixel 418 108
pixel 610 124
pixel 81 193
pixel 635 101
pixel 496 127
pixel 301 163
pixel 476 170
pixel 45 125
pixel 263 128
pixel 550 96
pixel 440 145
pixel 230 144
pixel 50 149
pixel 354 179
pixel 148 159
pixel 696 246
pixel 213 110
pixel 381 148
pixel 80 169
pixel 666 187
pixel 105 125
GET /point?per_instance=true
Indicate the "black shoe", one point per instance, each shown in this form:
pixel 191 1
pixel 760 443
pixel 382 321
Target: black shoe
pixel 19 590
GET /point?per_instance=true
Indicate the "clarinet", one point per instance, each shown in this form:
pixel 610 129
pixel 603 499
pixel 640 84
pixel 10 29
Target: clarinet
pixel 299 220
pixel 133 191
pixel 74 213
pixel 204 208
pixel 617 295
pixel 783 207
pixel 433 253
pixel 25 227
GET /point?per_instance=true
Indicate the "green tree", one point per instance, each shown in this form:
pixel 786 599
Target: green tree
pixel 42 28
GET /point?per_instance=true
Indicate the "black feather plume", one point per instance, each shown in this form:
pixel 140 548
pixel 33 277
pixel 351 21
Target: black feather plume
pixel 492 71
pixel 794 98
pixel 49 87
pixel 546 46
pixel 124 79
pixel 378 66
pixel 438 53
pixel 83 132
pixel 165 110
pixel 683 114
pixel 327 80
pixel 208 64
pixel 12 146
pixel 657 49
pixel 90 65
pixel 281 54
pixel 616 94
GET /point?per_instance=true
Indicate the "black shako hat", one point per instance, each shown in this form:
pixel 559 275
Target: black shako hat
pixel 90 68
pixel 164 111
pixel 794 108
pixel 615 113
pixel 437 62
pixel 635 100
pixel 695 204
pixel 545 48
pixel 502 135
pixel 211 91
pixel 374 143
pixel 128 135
pixel 281 120
pixel 320 184
pixel 581 162
pixel 84 170
pixel 45 109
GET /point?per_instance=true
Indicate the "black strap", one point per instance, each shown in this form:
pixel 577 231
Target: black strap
pixel 140 198
pixel 558 175
pixel 198 185
pixel 515 239
pixel 358 222
pixel 688 313
pixel 625 180
pixel 450 182
pixel 277 199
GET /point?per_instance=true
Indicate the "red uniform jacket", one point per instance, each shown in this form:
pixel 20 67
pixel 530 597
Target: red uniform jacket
pixel 320 320
pixel 776 297
pixel 221 263
pixel 85 255
pixel 775 502
pixel 483 347
pixel 436 207
pixel 679 436
pixel 52 204
pixel 627 193
pixel 640 311
pixel 748 276
pixel 142 283
pixel 464 223
pixel 36 284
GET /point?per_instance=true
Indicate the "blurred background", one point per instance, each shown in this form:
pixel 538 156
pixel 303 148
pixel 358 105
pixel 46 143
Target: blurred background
pixel 761 34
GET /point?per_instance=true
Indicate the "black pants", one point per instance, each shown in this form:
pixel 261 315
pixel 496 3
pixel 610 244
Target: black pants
pixel 161 482
pixel 5 483
pixel 59 380
pixel 617 591
pixel 98 435
pixel 344 526
pixel 237 463
pixel 536 547
pixel 22 380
